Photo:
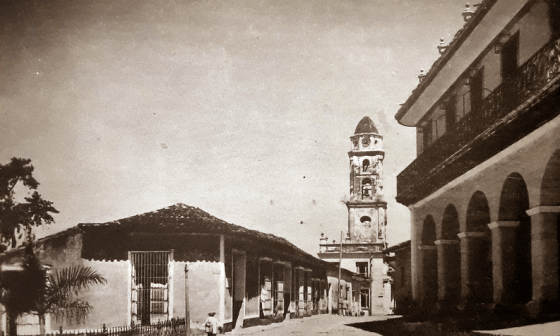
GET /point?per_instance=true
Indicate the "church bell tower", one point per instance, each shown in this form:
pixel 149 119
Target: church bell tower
pixel 361 250
pixel 366 207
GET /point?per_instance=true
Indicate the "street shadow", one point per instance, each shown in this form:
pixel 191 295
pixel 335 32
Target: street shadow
pixel 445 326
pixel 390 327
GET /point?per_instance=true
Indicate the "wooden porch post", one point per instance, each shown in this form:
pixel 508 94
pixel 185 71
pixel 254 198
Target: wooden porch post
pixel 187 309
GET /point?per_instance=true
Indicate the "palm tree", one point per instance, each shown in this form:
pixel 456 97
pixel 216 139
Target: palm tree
pixel 60 294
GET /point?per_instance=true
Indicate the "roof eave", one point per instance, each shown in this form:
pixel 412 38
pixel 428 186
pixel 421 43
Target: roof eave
pixel 403 116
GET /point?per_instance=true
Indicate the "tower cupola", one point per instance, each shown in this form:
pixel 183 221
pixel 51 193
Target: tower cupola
pixel 366 205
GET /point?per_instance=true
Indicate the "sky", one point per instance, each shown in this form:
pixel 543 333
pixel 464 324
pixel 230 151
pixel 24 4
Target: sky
pixel 242 108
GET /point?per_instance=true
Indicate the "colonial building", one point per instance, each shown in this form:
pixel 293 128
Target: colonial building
pixel 344 291
pixel 360 250
pixel 246 276
pixel 398 258
pixel 484 190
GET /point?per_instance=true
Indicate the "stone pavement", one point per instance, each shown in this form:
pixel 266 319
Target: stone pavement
pixel 542 329
pixel 313 325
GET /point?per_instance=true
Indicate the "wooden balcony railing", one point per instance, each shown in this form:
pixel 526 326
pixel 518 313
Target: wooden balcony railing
pixel 533 77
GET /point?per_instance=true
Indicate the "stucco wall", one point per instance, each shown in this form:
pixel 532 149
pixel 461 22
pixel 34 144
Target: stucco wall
pixel 109 301
pixel 402 286
pixel 203 290
pixel 534 30
pixel 366 231
pixel 377 286
pixel 179 289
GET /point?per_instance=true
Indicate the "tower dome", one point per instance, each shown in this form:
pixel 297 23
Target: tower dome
pixel 366 125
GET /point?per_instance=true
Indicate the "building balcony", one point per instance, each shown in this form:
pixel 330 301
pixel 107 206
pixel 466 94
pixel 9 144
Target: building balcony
pixel 514 109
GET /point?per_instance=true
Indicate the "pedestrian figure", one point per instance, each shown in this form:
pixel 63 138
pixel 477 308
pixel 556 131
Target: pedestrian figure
pixel 212 325
pixel 344 307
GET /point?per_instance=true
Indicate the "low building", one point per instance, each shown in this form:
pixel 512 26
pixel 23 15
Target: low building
pixel 344 291
pixel 398 258
pixel 246 276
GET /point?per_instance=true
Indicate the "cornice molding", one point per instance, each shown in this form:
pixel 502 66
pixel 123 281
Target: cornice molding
pixel 464 235
pixel 426 247
pixel 446 242
pixel 366 153
pixel 543 209
pixel 503 224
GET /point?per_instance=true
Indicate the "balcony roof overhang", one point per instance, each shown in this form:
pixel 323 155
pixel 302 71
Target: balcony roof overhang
pixel 476 36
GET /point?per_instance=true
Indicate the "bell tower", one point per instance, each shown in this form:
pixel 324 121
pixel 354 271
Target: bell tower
pixel 366 207
pixel 361 249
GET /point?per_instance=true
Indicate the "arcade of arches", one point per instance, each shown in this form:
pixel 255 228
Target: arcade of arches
pixel 493 239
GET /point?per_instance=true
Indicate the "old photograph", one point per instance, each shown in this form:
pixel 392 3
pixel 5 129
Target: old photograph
pixel 279 167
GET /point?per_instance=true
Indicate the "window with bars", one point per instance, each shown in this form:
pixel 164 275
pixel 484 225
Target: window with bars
pixel 151 277
pixel 279 296
pixel 279 288
pixel 301 289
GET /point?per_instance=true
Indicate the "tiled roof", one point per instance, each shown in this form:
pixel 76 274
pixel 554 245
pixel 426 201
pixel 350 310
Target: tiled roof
pixel 181 218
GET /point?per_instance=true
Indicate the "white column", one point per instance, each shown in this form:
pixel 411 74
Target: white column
pixel 413 254
pixel 222 280
pixel 544 257
pixel 129 296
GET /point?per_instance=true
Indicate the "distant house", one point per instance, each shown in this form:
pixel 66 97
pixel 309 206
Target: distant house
pixel 246 276
pixel 345 291
pixel 484 191
pixel 398 258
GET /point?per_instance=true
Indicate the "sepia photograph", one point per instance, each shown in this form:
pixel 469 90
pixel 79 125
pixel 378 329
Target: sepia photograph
pixel 279 167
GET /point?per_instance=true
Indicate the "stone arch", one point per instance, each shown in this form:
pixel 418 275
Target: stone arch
pixel 514 203
pixel 546 278
pixel 476 252
pixel 478 213
pixel 450 223
pixel 428 231
pixel 367 188
pixel 449 257
pixel 428 262
pixel 550 186
pixel 365 165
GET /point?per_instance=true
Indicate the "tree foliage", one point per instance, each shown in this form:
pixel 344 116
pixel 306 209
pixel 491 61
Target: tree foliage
pixel 23 286
pixel 17 218
pixel 61 290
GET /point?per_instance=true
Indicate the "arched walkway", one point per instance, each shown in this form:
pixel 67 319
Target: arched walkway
pixel 428 261
pixel 476 257
pixel 449 258
pixel 512 243
pixel 545 238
